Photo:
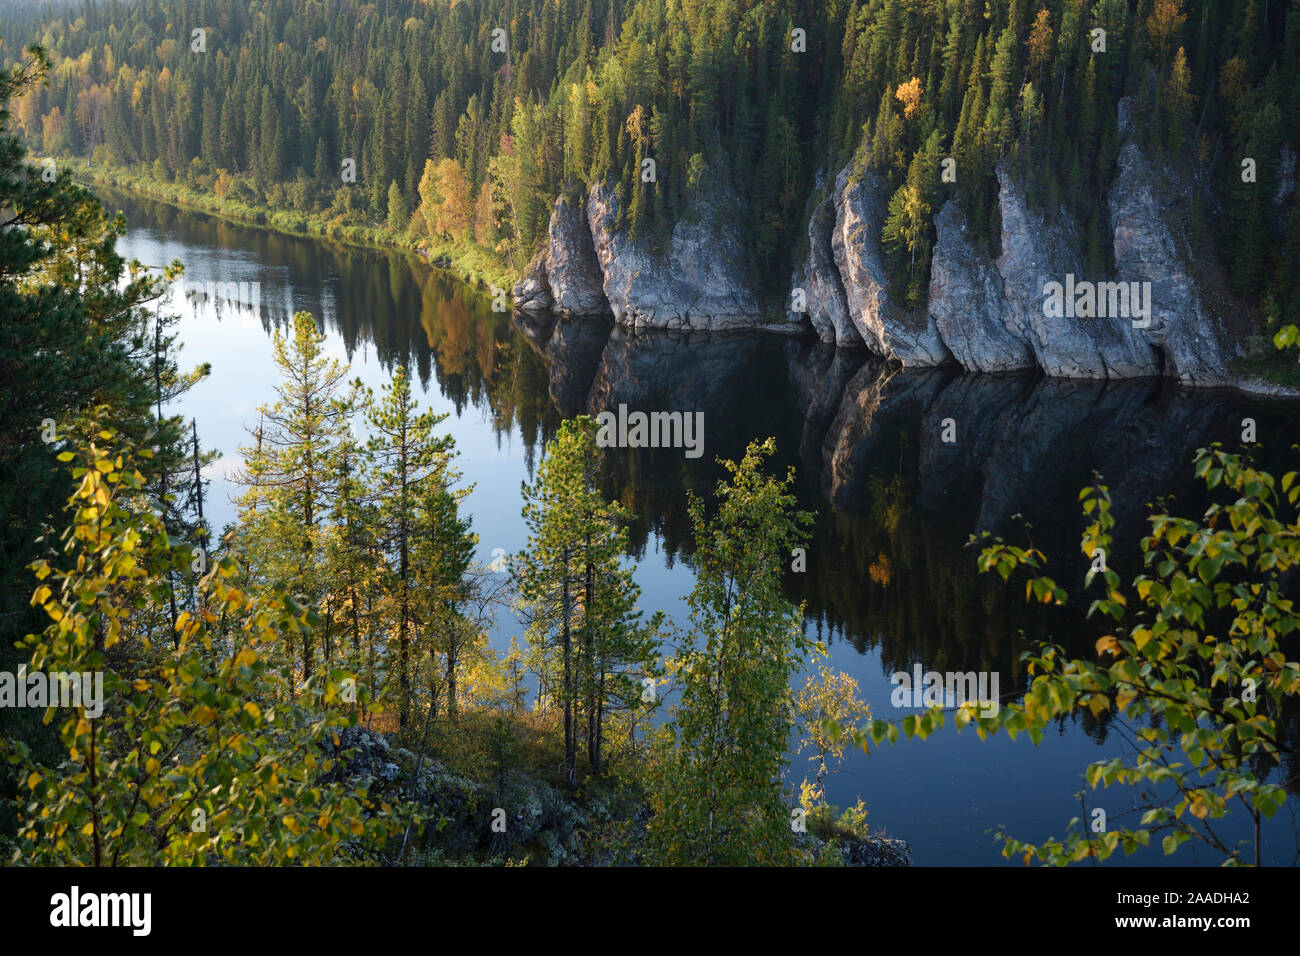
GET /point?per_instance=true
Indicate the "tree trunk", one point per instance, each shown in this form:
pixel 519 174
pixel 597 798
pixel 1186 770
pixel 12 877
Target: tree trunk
pixel 589 666
pixel 600 721
pixel 404 648
pixel 162 472
pixel 452 655
pixel 356 629
pixel 570 732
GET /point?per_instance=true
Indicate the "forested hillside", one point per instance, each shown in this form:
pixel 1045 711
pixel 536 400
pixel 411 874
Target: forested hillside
pixel 318 682
pixel 459 131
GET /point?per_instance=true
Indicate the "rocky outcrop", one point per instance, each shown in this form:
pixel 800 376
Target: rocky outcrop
pixel 532 293
pixel 990 313
pixel 888 330
pixel 542 824
pixel 1151 245
pixel 853 850
pixel 967 301
pixel 985 312
pixel 572 270
pixel 697 282
pixel 565 275
pixel 1037 250
pixel 819 280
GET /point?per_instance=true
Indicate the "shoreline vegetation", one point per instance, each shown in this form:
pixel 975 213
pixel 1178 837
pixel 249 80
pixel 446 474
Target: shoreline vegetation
pixel 466 261
pixel 1262 373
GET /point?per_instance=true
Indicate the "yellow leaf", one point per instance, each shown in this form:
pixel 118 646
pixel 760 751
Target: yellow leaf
pixel 1198 810
pixel 1097 704
pixel 1123 698
pixel 33 780
pixel 252 710
pixel 204 715
pixel 1108 643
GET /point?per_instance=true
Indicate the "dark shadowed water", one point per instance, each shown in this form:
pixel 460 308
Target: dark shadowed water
pixel 890 581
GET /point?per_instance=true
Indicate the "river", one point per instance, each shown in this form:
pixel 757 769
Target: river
pixel 890 581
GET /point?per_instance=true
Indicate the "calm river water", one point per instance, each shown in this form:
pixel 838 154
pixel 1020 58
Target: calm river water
pixel 890 580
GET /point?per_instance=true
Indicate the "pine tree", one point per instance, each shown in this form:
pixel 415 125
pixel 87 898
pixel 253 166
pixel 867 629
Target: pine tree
pixel 355 565
pixel 443 553
pixel 293 471
pixel 578 599
pixel 407 460
pixel 396 209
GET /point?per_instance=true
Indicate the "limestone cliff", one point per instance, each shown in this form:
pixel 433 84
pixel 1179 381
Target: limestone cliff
pixel 986 308
pixel 697 282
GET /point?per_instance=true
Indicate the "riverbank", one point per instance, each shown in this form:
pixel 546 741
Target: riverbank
pixel 1262 373
pixel 467 261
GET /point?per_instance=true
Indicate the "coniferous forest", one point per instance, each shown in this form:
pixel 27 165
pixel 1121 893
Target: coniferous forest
pixel 305 649
pixel 456 131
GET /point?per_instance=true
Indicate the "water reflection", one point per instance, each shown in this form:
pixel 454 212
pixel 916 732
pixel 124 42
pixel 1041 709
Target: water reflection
pixel 889 572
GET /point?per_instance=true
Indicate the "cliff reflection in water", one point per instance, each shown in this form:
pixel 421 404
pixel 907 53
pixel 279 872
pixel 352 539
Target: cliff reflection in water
pixel 889 565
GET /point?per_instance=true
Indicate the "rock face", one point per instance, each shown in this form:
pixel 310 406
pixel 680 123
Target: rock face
pixel 1035 251
pixel 572 270
pixel 819 278
pixel 532 293
pixel 1151 245
pixel 697 283
pixel 985 313
pixel 855 243
pixel 967 302
pixel 989 314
